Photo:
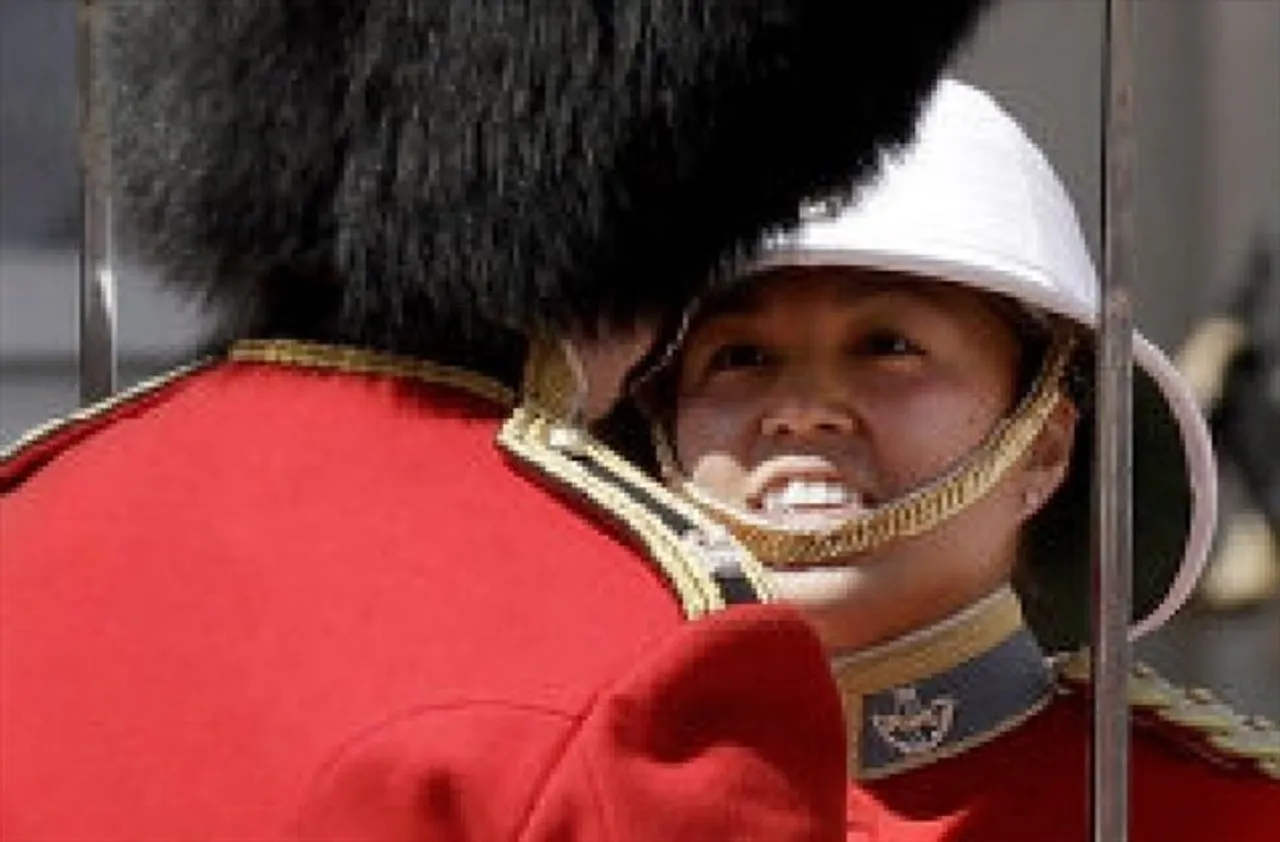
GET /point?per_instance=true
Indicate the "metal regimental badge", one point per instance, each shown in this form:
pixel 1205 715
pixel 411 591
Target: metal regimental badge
pixel 914 727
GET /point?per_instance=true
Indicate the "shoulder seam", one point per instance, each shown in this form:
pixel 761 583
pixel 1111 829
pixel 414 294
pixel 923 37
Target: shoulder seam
pixel 539 791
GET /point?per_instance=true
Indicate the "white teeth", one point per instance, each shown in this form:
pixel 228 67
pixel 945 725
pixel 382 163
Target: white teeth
pixel 836 495
pixel 796 494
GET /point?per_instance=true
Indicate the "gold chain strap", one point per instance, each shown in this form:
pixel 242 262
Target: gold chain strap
pixel 914 513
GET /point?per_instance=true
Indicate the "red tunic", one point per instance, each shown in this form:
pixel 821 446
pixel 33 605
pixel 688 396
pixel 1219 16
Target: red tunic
pixel 1032 784
pixel 1200 772
pixel 262 603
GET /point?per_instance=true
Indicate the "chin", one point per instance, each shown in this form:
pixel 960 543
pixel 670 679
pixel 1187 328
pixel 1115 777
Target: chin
pixel 837 602
pixel 820 588
pixel 871 601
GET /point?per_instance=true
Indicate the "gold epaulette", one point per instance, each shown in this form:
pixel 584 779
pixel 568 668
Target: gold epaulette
pixel 37 447
pixel 705 567
pixel 1193 717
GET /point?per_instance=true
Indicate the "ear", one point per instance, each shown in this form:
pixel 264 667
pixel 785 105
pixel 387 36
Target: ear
pixel 601 362
pixel 1049 458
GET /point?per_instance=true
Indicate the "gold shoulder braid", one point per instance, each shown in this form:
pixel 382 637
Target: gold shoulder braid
pixel 912 514
pixel 99 410
pixel 281 352
pixel 314 355
pixel 705 566
pixel 1205 723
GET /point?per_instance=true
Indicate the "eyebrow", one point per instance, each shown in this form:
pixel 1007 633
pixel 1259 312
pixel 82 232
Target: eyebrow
pixel 746 301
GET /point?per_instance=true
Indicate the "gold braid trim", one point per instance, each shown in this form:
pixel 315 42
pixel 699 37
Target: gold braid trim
pixel 97 410
pixel 283 352
pixel 545 434
pixel 707 529
pixel 932 650
pixel 314 355
pixel 915 512
pixel 1210 724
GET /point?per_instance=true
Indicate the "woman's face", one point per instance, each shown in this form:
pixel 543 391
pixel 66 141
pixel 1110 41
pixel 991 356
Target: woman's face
pixel 815 394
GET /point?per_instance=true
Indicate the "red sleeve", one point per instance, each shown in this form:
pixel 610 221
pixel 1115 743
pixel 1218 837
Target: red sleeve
pixel 729 729
pixel 1181 797
pixel 1249 811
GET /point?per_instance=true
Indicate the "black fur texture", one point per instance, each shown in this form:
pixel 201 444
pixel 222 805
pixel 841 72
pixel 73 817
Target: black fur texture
pixel 430 176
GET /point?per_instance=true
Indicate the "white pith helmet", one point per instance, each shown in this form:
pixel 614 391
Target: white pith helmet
pixel 974 202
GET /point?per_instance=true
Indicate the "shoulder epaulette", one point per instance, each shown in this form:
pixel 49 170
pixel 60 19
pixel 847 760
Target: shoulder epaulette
pixel 1192 717
pixel 706 567
pixel 42 444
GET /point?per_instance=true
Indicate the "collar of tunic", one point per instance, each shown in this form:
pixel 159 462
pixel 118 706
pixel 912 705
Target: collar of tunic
pixel 942 690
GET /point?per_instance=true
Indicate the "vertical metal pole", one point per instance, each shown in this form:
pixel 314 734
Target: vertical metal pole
pixel 1113 492
pixel 97 280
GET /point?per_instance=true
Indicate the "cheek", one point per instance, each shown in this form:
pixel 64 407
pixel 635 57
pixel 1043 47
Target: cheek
pixel 927 432
pixel 720 475
pixel 974 551
pixel 711 446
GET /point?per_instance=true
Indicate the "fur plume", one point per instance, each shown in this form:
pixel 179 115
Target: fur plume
pixel 411 174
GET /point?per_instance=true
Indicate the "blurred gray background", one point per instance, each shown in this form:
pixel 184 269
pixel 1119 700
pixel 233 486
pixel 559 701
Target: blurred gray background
pixel 1208 118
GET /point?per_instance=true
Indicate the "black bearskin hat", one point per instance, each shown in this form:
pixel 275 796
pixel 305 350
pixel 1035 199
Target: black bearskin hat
pixel 426 176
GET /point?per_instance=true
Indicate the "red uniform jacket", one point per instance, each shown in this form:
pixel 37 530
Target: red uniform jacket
pixel 1032 785
pixel 318 601
pixel 969 736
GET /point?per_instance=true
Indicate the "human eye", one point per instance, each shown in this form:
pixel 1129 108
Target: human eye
pixel 886 343
pixel 737 356
pixel 726 359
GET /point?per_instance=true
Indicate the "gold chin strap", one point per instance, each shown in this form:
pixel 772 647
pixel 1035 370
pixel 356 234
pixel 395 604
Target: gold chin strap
pixel 913 513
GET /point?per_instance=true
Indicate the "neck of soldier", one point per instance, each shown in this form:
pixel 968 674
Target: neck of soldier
pixel 878 600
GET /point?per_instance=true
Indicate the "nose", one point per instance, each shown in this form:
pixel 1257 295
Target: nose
pixel 813 409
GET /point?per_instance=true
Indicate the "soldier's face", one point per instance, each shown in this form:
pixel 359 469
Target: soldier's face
pixel 816 394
